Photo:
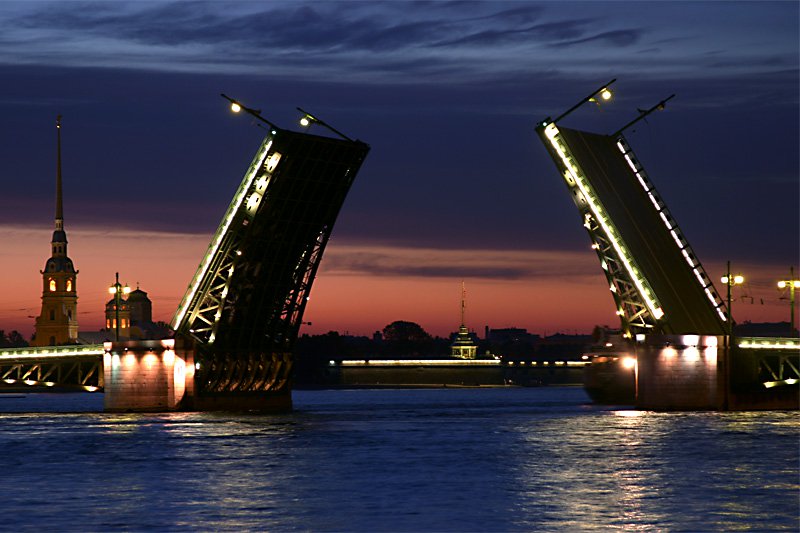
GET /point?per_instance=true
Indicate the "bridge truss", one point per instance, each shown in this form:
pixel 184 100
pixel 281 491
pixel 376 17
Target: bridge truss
pixel 657 282
pixel 244 306
pixel 77 368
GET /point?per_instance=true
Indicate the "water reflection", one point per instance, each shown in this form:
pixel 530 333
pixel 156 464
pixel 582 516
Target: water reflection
pixel 419 460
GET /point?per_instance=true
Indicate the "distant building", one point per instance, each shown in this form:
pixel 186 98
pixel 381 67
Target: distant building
pixel 764 329
pixel 58 321
pixel 124 316
pixel 464 346
pixel 135 320
pixel 511 335
pixel 141 308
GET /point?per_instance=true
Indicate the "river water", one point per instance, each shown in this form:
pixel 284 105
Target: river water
pixel 490 459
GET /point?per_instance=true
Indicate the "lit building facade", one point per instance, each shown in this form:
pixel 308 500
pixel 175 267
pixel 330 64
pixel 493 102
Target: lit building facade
pixel 124 315
pixel 57 323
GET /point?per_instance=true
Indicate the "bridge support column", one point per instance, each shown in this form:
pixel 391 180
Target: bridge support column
pixel 682 372
pixel 152 375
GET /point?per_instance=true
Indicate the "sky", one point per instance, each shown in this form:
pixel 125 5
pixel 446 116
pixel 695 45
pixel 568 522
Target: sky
pixel 457 186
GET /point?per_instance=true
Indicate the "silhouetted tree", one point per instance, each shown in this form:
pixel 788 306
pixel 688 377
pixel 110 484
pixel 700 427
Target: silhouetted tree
pixel 406 339
pixel 402 331
pixel 12 340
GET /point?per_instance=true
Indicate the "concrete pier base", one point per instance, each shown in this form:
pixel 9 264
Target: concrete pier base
pixel 159 376
pixel 681 372
pixel 152 375
pixel 697 373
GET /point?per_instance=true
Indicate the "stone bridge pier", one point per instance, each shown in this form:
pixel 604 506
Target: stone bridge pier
pixel 150 375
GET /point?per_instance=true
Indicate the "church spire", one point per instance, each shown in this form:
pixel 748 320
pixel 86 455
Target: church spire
pixel 463 302
pixel 59 200
pixel 58 322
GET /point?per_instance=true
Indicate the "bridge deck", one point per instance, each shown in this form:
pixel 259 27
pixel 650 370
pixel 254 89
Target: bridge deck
pixel 649 233
pixel 78 367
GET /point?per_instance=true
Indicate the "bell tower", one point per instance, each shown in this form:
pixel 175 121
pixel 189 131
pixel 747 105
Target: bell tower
pixel 58 322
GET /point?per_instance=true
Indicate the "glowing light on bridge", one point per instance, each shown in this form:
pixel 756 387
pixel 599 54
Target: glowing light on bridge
pixel 674 231
pixel 573 175
pixel 216 241
pixel 50 351
pixel 769 344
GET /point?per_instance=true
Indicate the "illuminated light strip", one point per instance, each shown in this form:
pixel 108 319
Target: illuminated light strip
pixel 699 277
pixel 654 201
pixel 551 131
pixel 642 182
pixel 769 346
pixel 679 240
pixel 213 248
pixel 417 362
pixel 89 349
pixel 770 384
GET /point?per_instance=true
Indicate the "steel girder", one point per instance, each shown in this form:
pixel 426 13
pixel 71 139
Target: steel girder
pixel 244 306
pixel 635 315
pixel 658 284
pixel 76 373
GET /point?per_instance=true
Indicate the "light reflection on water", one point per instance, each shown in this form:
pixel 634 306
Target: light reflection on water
pixel 398 460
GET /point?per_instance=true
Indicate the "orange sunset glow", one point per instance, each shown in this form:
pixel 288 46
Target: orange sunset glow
pixel 360 288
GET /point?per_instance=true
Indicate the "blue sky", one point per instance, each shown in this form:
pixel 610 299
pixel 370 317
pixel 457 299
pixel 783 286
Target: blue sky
pixel 446 93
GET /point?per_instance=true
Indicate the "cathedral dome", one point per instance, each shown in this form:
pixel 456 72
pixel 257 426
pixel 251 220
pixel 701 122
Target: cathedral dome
pixel 59 264
pixel 138 295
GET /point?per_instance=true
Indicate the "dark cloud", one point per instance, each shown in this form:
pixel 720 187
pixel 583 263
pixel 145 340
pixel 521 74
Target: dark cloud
pixel 618 38
pixel 544 33
pixel 456 263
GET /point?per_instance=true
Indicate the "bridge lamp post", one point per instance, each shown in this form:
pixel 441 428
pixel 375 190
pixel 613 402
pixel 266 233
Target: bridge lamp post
pixel 792 284
pixel 308 119
pixel 117 289
pixel 730 281
pixel 601 94
pixel 238 107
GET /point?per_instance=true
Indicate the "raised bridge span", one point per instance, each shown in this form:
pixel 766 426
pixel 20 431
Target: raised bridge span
pixel 673 322
pixel 237 323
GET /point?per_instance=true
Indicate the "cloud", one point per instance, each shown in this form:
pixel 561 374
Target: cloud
pixel 618 38
pixel 377 42
pixel 413 262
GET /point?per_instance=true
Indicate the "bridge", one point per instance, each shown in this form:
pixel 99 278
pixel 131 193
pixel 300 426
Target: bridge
pixel 666 302
pixel 65 368
pixel 244 306
pixel 237 323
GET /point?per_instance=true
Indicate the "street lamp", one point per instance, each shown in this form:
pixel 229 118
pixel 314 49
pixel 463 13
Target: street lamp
pixel 792 284
pixel 117 289
pixel 308 119
pixel 237 106
pixel 730 281
pixel 604 92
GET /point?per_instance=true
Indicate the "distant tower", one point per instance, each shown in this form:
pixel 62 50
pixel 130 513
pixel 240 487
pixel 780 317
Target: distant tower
pixel 141 307
pixel 124 318
pixel 58 322
pixel 463 346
